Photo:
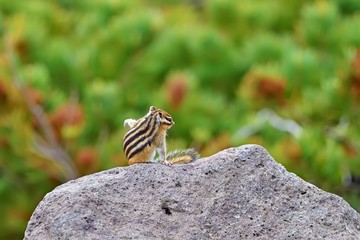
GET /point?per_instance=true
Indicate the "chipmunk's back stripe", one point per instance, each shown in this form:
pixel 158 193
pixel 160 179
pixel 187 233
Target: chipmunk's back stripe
pixel 143 140
pixel 143 126
pixel 140 139
pixel 138 125
pixel 135 132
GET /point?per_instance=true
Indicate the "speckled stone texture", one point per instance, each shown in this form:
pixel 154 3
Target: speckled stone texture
pixel 239 193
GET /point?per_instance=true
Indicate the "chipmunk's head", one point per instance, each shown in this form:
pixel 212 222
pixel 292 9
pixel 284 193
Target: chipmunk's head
pixel 162 117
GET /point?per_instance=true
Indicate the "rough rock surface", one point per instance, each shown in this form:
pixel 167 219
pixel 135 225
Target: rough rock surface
pixel 239 193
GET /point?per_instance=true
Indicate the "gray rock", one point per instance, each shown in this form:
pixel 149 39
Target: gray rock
pixel 239 193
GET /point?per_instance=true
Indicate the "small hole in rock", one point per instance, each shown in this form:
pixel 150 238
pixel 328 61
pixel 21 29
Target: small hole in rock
pixel 166 210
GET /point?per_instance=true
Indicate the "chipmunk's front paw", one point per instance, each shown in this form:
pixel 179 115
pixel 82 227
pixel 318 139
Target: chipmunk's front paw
pixel 166 163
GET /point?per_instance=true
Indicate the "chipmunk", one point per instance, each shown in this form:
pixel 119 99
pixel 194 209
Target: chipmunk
pixel 147 136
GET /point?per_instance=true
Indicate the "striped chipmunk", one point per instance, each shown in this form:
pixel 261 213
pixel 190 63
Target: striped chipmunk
pixel 147 136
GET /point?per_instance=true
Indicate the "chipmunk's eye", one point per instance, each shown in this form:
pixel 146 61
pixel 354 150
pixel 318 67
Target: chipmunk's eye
pixel 169 119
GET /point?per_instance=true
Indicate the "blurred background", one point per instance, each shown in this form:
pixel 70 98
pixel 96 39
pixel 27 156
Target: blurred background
pixel 284 74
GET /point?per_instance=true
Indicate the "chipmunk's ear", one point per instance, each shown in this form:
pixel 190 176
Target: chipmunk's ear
pixel 152 109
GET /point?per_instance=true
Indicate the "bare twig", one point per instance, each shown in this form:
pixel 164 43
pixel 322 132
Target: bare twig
pixel 49 146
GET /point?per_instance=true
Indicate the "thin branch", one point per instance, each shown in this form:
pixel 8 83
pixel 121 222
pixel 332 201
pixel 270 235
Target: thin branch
pixel 52 149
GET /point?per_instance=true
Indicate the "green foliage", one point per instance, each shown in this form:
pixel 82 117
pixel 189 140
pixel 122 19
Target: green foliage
pixel 283 74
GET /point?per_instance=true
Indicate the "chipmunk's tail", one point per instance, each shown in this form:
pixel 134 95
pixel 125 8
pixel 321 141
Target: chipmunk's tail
pixel 182 156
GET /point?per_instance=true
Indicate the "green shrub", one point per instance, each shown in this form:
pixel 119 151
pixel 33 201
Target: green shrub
pixel 229 72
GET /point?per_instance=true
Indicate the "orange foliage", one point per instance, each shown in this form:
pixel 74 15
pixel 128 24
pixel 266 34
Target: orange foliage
pixel 271 88
pixel 355 76
pixel 350 149
pixel 21 48
pixel 87 160
pixel 262 87
pixel 3 94
pixel 292 150
pixel 69 114
pixel 219 143
pixel 176 90
pixel 34 95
